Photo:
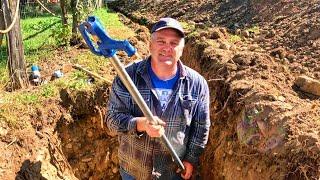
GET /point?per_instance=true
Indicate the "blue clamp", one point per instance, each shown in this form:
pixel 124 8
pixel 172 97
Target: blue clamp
pixel 105 45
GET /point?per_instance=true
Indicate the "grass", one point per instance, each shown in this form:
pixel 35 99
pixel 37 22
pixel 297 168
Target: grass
pixel 234 38
pixel 113 25
pixel 188 27
pixel 37 33
pixel 254 29
pixel 3 74
pixel 40 41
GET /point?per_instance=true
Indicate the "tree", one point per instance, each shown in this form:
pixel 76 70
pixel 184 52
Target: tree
pixel 2 25
pixel 16 64
pixel 64 12
pixel 99 3
pixel 75 10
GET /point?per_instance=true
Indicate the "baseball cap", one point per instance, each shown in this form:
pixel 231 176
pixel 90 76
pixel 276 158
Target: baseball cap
pixel 167 22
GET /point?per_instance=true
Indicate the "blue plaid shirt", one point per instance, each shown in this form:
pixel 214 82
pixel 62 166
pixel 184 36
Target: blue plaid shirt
pixel 186 116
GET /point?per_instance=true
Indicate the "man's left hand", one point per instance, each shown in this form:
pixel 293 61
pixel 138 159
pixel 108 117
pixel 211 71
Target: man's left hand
pixel 188 170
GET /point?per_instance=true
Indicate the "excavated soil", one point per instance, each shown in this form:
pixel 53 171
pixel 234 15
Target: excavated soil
pixel 263 126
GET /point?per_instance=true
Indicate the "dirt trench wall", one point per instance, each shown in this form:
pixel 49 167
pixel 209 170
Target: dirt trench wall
pixel 254 130
pixel 86 143
pixel 224 156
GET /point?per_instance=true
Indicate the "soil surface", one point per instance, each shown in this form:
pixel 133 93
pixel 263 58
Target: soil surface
pixel 265 125
pixel 251 53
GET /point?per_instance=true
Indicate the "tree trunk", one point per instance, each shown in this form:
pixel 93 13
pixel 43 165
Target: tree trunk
pixel 100 3
pixel 2 25
pixel 75 39
pixel 16 64
pixel 63 12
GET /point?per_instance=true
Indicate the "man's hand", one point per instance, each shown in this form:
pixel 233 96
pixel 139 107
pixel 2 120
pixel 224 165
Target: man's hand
pixel 153 130
pixel 188 172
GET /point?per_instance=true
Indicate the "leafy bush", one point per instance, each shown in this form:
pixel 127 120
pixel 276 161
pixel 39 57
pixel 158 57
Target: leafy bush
pixel 61 35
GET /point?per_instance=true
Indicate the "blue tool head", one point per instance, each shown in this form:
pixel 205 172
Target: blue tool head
pixel 105 46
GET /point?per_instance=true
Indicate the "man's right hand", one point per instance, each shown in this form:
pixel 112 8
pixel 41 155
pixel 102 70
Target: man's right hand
pixel 153 130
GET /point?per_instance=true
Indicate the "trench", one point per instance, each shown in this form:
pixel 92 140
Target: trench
pixel 86 143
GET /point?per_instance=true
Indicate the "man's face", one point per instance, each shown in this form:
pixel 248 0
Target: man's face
pixel 166 47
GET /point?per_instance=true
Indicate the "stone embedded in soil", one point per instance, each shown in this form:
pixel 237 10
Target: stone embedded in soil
pixel 238 32
pixel 3 132
pixel 245 33
pixel 89 133
pixel 281 98
pixel 114 157
pixel 87 159
pixel 278 52
pixel 224 45
pixel 115 170
pixel 216 34
pixel 69 146
pixel 308 85
pixel 271 34
pixel 253 47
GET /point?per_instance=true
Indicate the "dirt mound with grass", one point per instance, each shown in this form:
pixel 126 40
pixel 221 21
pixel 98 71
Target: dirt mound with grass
pixel 265 125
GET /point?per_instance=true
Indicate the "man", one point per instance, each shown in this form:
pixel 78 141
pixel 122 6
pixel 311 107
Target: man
pixel 179 99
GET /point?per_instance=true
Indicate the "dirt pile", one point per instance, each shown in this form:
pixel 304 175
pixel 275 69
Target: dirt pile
pixel 251 52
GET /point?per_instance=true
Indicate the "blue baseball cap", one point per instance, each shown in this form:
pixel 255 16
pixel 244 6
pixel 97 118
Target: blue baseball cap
pixel 165 23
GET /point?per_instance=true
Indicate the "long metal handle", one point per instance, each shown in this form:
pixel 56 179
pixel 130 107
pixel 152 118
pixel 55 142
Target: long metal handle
pixel 127 81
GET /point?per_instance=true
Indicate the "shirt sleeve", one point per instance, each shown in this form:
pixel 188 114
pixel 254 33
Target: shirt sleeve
pixel 119 118
pixel 200 126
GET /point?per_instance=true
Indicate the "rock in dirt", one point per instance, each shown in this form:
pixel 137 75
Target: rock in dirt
pixel 216 34
pixel 245 33
pixel 308 85
pixel 271 34
pixel 278 52
pixel 3 132
pixel 224 45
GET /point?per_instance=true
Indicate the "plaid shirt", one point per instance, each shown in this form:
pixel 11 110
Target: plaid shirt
pixel 186 116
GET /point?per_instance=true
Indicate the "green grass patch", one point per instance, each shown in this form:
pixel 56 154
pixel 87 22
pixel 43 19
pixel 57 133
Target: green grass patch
pixel 25 98
pixel 254 29
pixel 234 38
pixel 48 90
pixel 113 25
pixel 3 74
pixel 188 27
pixel 37 33
pixel 91 61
